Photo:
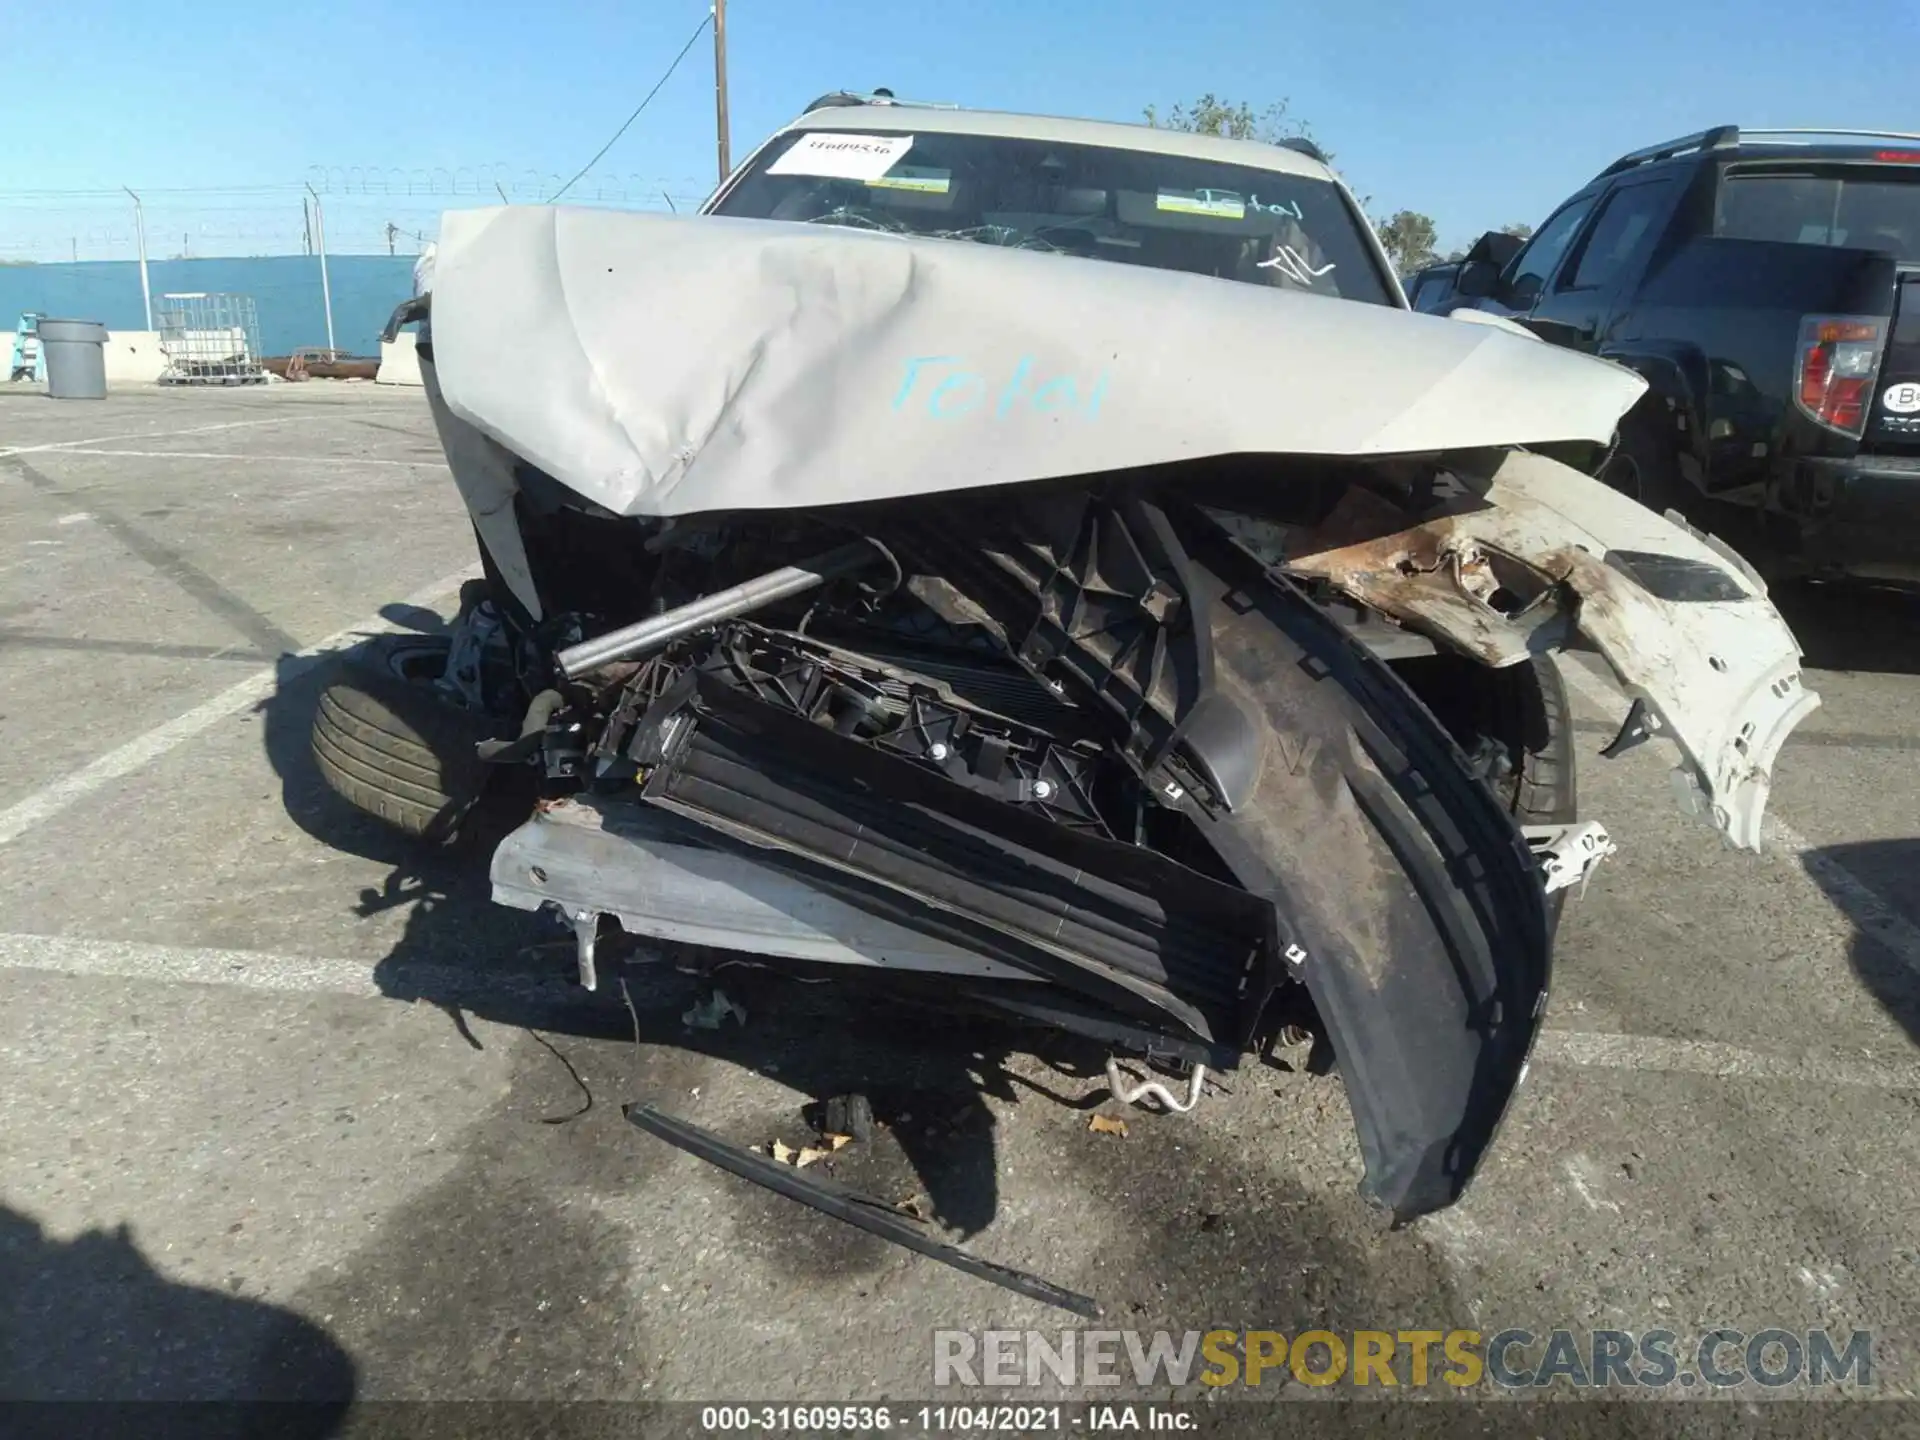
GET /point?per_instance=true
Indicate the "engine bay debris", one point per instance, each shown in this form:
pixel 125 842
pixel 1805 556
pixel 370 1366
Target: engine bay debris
pixel 1181 714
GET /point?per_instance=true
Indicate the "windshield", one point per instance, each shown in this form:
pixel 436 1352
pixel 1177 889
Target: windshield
pixel 1866 208
pixel 1170 212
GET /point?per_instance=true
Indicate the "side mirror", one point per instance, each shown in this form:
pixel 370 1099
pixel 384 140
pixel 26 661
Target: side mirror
pixel 405 313
pixel 1497 248
pixel 1477 280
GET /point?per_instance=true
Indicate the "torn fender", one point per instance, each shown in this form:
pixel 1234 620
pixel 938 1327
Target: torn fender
pixel 1684 623
pixel 1421 923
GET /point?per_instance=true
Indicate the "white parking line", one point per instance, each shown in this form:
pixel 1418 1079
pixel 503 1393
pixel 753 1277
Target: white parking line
pixel 438 462
pixel 43 805
pixel 268 970
pixel 153 434
pixel 1859 903
pixel 1710 1057
pixel 249 969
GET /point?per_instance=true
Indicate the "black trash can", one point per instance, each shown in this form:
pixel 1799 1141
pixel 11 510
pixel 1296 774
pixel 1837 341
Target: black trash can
pixel 76 352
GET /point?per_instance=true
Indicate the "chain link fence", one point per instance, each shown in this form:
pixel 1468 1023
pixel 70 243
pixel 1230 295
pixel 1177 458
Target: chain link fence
pixel 370 210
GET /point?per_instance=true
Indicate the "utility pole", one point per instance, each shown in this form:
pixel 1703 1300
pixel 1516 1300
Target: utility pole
pixel 140 234
pixel 720 86
pixel 320 238
pixel 390 230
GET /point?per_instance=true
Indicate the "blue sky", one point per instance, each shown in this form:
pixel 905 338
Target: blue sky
pixel 1477 113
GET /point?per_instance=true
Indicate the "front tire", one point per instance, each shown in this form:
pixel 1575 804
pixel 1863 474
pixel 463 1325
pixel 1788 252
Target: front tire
pixel 1645 465
pixel 391 747
pixel 1516 726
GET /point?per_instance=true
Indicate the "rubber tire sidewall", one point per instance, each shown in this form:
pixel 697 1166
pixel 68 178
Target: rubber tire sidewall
pixel 388 745
pixel 1528 699
pixel 1655 462
pixel 1548 791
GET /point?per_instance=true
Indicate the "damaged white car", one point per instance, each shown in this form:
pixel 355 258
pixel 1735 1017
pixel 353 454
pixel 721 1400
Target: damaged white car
pixel 1050 556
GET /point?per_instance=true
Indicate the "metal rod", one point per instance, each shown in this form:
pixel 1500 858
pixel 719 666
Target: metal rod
pixel 320 238
pixel 1824 130
pixel 658 630
pixel 140 235
pixel 720 88
pixel 843 1202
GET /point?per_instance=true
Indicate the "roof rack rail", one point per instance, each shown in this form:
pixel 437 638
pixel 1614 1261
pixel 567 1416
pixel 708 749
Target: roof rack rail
pixel 1305 147
pixel 1721 137
pixel 1714 139
pixel 1812 130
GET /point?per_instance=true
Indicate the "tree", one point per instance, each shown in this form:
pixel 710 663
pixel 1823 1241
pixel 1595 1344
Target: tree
pixel 1410 240
pixel 1232 120
pixel 1519 228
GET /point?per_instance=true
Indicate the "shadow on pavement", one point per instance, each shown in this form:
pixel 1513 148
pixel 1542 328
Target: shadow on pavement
pixel 92 1319
pixel 452 928
pixel 471 958
pixel 1848 627
pixel 1889 868
pixel 1196 1224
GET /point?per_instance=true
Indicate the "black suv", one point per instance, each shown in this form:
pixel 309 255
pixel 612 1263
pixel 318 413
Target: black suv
pixel 1767 284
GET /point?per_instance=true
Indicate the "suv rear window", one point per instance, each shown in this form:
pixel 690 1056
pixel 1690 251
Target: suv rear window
pixel 1865 207
pixel 1132 207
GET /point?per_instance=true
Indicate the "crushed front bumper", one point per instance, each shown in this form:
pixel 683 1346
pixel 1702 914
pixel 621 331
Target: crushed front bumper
pixel 1356 856
pixel 660 879
pixel 1682 620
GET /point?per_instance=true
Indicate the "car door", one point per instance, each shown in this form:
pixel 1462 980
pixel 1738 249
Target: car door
pixel 1528 274
pixel 1607 254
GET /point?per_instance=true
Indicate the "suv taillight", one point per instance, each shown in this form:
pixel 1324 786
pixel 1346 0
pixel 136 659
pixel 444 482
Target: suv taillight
pixel 1833 376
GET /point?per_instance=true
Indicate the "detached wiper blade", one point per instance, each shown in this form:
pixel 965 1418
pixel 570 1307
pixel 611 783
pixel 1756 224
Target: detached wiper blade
pixel 843 1202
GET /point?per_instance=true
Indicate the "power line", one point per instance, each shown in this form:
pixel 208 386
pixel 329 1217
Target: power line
pixel 698 31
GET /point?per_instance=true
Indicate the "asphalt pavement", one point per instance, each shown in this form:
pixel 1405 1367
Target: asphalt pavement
pixel 292 1111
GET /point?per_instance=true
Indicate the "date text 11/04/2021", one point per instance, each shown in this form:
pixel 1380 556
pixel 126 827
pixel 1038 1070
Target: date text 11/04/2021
pixel 961 1419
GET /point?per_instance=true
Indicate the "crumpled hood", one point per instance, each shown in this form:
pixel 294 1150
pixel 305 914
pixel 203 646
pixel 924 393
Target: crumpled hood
pixel 663 365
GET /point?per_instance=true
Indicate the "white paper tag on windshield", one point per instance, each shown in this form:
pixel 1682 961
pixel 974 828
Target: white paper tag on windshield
pixel 842 157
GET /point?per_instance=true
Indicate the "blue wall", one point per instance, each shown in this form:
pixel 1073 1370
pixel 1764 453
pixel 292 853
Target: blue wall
pixel 285 291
